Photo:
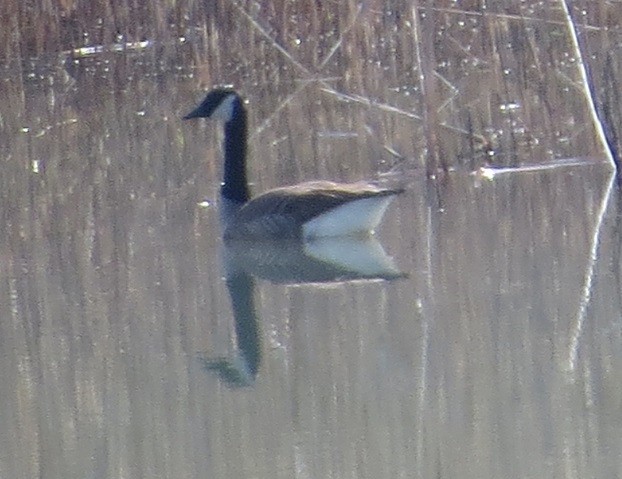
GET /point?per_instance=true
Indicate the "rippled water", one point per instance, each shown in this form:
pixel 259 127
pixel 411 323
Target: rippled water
pixel 477 336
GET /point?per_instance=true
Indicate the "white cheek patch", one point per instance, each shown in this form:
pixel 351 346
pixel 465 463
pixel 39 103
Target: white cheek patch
pixel 224 111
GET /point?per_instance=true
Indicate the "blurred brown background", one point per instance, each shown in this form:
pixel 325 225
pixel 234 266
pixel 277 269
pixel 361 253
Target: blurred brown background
pixel 496 356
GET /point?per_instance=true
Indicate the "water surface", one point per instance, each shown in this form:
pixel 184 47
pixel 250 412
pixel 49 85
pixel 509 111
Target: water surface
pixel 492 348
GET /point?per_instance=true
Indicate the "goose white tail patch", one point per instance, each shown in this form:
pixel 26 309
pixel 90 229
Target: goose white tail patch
pixel 355 217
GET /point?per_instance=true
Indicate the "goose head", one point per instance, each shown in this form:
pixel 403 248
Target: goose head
pixel 221 104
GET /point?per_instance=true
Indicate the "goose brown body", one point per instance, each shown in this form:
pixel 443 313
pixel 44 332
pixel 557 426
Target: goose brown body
pixel 283 212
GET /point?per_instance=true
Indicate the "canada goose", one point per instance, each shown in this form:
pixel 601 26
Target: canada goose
pixel 303 211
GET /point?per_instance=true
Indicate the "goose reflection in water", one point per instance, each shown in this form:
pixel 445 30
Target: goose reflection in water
pixel 326 260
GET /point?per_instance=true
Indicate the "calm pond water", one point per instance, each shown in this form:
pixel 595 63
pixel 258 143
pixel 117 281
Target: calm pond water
pixel 478 335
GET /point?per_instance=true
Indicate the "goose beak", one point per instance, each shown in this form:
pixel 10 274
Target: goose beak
pixel 193 114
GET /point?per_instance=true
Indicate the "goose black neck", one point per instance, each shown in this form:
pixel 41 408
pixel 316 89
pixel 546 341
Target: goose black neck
pixel 235 184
